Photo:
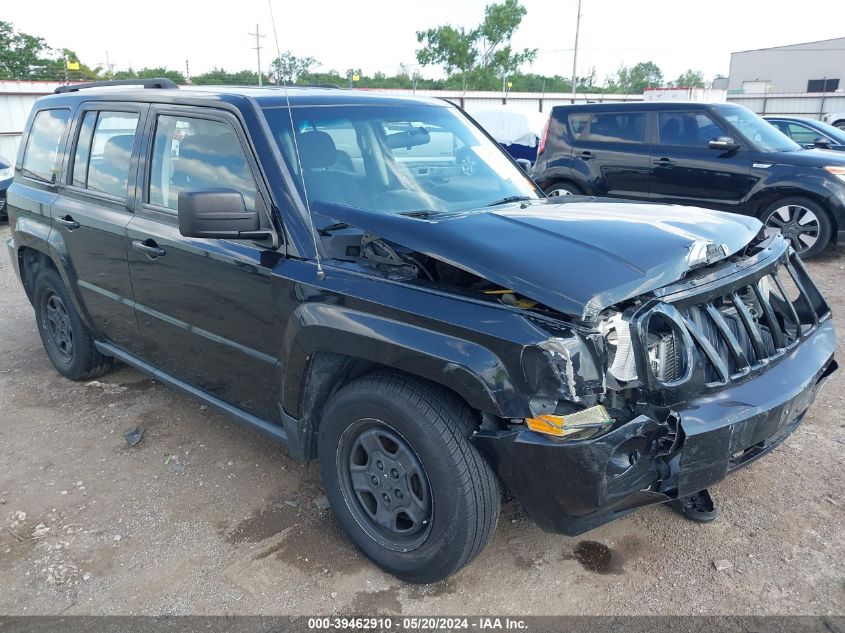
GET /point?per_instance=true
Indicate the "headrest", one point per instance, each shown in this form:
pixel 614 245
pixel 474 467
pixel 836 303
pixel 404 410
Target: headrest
pixel 317 150
pixel 119 146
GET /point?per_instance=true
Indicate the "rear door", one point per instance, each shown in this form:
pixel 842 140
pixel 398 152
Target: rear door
pixel 204 306
pixel 612 154
pixel 91 213
pixel 684 170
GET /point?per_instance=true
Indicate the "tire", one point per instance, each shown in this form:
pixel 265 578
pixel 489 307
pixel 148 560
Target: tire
pixel 840 124
pixel 805 223
pixel 66 340
pixel 384 425
pixel 562 189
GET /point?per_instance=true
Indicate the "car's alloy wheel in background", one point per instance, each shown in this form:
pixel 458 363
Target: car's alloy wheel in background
pixel 802 222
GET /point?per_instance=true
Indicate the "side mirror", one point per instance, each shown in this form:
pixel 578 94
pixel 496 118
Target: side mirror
pixel 724 143
pixel 821 143
pixel 217 213
pixel 525 164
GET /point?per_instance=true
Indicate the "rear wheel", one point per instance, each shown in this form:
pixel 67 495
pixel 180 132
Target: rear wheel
pixel 402 478
pixel 562 189
pixel 803 222
pixel 66 340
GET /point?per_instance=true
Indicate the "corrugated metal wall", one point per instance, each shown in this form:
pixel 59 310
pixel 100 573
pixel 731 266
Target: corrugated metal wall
pixel 16 99
pixel 811 105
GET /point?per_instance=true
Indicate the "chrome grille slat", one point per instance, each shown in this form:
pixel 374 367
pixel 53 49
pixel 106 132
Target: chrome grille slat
pixel 740 328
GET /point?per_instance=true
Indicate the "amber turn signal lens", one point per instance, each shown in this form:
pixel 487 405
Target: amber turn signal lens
pixel 595 417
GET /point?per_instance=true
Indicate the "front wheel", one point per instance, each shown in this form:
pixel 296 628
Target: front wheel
pixel 402 478
pixel 803 222
pixel 562 189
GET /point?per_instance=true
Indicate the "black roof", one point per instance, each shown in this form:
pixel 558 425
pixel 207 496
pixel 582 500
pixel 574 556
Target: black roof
pixel 642 106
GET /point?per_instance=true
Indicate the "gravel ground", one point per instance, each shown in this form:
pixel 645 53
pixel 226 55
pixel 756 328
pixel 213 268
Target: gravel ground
pixel 207 517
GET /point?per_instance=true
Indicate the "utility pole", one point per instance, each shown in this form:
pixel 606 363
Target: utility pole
pixel 258 37
pixel 187 71
pixel 575 52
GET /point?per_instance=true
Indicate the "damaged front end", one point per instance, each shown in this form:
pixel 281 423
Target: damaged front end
pixel 647 383
pixel 680 387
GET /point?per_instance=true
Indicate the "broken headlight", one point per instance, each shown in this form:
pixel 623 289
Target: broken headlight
pixel 621 362
pixel 665 349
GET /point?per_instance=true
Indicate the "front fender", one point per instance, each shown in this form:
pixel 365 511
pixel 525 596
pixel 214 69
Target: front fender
pixel 468 368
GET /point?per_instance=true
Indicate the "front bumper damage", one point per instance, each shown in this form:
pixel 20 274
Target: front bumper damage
pixel 574 486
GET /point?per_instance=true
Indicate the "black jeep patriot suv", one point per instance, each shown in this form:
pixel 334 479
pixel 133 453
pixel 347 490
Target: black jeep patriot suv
pixel 372 281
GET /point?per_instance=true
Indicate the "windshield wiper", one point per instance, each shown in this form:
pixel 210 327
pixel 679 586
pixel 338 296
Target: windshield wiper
pixel 333 227
pixel 510 199
pixel 423 213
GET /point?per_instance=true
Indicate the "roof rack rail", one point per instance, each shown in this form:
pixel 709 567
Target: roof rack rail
pixel 160 83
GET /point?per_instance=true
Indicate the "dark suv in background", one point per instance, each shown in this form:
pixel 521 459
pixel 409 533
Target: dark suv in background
pixel 322 266
pixel 720 156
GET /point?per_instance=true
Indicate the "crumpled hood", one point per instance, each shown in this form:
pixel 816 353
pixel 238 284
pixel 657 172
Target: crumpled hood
pixel 577 257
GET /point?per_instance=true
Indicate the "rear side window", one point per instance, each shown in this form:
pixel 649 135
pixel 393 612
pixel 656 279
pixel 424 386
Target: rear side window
pixel 577 123
pixel 192 154
pixel 104 151
pixel 692 129
pixel 616 127
pixel 41 159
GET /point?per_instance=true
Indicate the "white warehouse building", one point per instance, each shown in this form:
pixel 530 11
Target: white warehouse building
pixel 810 67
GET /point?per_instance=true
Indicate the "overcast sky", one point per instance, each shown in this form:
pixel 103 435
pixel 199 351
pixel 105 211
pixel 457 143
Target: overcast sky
pixel 379 34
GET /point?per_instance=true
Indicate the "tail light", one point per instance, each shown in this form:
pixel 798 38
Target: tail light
pixel 542 144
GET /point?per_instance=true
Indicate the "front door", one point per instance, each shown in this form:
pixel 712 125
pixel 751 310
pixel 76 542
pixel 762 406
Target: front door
pixel 684 170
pixel 204 306
pixel 92 212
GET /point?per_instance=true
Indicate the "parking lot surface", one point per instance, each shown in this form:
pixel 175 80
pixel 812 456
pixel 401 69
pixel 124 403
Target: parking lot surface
pixel 204 516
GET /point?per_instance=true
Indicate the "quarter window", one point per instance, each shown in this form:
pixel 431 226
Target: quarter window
pixel 192 154
pixel 616 127
pixel 42 159
pixel 692 129
pixel 104 151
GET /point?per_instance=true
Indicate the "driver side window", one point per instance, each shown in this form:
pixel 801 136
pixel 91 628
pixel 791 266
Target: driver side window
pixel 191 154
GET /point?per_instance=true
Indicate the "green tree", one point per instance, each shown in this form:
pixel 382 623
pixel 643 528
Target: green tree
pixel 689 79
pixel 287 67
pixel 221 77
pixel 636 79
pixel 479 55
pixel 29 57
pixel 151 73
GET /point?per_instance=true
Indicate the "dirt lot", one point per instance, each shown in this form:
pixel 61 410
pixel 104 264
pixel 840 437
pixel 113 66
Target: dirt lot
pixel 205 516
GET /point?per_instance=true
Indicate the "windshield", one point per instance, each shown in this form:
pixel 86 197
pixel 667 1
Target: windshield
pixel 831 131
pixel 760 133
pixel 395 159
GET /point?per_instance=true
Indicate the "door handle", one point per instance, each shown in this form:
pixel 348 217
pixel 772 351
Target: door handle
pixel 585 155
pixel 664 162
pixel 149 248
pixel 68 221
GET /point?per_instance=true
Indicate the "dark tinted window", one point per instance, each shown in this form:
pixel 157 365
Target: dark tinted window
pixel 41 157
pixel 616 127
pixel 83 150
pixel 103 152
pixel 197 154
pixel 687 128
pixel 822 85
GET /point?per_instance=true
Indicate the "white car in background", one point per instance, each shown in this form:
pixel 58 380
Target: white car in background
pixel 837 119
